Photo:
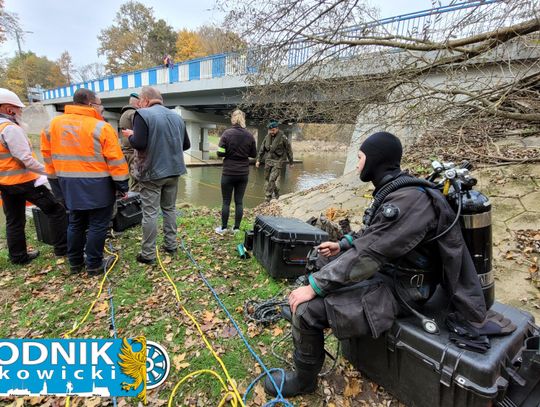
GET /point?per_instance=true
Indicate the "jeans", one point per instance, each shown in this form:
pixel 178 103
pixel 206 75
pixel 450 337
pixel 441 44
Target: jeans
pixel 156 194
pixel 14 201
pixel 238 184
pixel 87 232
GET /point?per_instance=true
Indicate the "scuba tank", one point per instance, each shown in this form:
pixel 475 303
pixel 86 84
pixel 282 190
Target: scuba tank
pixel 474 211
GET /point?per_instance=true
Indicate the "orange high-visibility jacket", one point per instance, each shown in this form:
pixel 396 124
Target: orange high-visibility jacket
pixel 79 144
pixel 12 171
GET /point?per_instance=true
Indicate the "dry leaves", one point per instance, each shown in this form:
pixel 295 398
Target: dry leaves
pixel 528 252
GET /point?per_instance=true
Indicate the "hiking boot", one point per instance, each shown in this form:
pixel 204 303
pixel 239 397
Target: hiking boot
pixel 105 266
pixel 76 269
pixel 144 260
pixel 169 251
pixel 30 255
pixel 95 272
pixel 295 382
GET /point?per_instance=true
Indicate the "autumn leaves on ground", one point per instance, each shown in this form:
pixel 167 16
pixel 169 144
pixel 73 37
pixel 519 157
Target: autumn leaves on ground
pixel 42 300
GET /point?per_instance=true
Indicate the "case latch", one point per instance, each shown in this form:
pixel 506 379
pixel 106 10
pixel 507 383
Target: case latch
pixel 446 375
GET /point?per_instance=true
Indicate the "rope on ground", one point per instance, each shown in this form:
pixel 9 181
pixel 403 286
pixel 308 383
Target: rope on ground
pixel 113 323
pixel 268 312
pixel 264 312
pixel 236 398
pixel 78 325
pixel 279 398
pixel 82 321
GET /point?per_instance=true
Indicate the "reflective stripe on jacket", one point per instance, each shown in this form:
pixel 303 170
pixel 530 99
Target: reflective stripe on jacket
pixel 79 144
pixel 12 171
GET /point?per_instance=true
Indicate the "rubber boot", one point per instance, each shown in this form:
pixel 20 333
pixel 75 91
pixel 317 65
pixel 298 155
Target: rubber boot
pixel 308 360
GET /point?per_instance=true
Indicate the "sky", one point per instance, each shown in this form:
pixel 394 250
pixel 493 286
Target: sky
pixel 73 25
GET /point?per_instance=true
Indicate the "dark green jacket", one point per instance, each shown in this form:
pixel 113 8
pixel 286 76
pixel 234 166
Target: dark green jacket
pixel 126 122
pixel 275 150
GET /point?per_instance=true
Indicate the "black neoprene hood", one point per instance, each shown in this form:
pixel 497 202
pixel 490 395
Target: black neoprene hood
pixel 383 153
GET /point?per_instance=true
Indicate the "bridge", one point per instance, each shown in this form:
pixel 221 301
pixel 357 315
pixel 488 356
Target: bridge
pixel 205 90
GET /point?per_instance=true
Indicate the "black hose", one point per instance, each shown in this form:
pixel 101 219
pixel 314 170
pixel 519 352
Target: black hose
pixel 264 312
pixel 388 189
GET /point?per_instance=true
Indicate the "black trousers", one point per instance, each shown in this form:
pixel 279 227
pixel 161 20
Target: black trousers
pixel 14 203
pixel 238 184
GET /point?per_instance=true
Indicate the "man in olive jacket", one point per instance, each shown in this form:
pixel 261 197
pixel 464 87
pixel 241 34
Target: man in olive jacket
pixel 274 150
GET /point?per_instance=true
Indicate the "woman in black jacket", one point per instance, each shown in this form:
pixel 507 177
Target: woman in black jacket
pixel 236 145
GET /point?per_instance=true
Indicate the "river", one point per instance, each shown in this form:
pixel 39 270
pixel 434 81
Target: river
pixel 201 185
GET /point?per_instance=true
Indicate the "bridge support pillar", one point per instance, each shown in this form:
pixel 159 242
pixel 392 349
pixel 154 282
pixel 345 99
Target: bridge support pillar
pixel 367 124
pixel 194 132
pixel 200 144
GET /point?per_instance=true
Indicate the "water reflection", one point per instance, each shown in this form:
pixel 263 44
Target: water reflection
pixel 201 185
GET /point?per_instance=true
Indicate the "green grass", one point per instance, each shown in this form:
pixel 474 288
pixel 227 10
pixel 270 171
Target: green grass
pixel 213 140
pixel 44 300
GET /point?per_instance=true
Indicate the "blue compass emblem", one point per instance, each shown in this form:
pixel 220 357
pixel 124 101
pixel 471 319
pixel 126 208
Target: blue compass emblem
pixel 158 365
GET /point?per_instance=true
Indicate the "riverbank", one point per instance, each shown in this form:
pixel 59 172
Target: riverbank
pixel 318 146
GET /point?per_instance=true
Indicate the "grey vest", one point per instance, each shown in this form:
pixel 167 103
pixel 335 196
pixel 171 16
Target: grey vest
pixel 163 156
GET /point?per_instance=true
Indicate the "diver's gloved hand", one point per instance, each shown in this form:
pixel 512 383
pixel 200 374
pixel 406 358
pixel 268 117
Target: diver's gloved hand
pixel 494 324
pixel 479 344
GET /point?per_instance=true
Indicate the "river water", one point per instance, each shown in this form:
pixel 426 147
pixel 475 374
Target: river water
pixel 201 185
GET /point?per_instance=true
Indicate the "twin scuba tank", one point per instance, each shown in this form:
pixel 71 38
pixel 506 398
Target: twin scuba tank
pixel 474 212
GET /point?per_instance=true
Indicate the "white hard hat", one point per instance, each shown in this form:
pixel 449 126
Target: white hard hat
pixel 8 97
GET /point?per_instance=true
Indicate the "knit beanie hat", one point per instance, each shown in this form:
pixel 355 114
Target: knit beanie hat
pixel 383 156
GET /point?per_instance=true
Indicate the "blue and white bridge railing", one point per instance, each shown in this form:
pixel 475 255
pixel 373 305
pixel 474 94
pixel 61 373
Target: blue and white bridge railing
pixel 214 66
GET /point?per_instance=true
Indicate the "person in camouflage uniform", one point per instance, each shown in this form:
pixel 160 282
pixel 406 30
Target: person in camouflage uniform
pixel 274 150
pixel 126 122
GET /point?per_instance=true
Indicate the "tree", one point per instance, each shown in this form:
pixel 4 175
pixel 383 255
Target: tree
pixel 135 40
pixel 65 64
pixel 329 60
pixel 9 23
pixel 90 71
pixel 215 40
pixel 207 40
pixel 41 71
pixel 188 46
pixel 161 41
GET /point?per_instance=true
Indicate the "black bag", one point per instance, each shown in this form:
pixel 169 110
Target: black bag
pixel 44 228
pixel 129 212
